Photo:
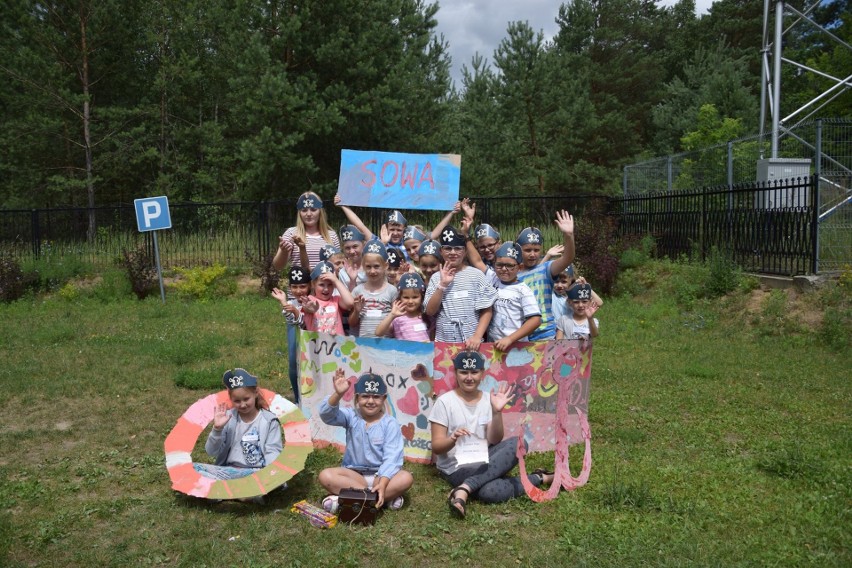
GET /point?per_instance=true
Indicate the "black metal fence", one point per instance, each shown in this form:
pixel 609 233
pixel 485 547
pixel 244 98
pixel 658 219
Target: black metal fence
pixel 766 227
pixel 232 234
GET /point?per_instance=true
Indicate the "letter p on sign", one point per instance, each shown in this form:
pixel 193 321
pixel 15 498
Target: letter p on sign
pixel 152 213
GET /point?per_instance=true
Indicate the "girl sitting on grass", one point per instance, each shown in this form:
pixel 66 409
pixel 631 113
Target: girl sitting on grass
pixel 467 439
pixel 245 438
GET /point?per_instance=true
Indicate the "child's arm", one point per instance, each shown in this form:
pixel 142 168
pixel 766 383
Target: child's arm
pixel 473 256
pixel 392 456
pixel 499 400
pixel 559 334
pixel 433 306
pixel 529 326
pixel 553 252
pixel 385 327
pixel 474 341
pixel 593 327
pixel 442 224
pixel 353 218
pixel 282 254
pixel 355 313
pixel 216 440
pixel 329 410
pixel 273 444
pixel 346 300
pixel 281 296
pixel 303 253
pixel 565 222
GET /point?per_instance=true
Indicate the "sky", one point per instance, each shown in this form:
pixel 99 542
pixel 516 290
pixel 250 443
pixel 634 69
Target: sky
pixel 472 26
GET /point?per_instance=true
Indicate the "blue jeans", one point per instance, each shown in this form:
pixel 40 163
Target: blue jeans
pixel 293 358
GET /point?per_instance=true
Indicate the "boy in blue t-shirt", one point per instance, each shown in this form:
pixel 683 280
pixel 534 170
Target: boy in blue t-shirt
pixel 540 276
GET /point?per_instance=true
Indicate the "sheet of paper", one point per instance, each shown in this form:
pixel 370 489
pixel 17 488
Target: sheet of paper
pixel 471 449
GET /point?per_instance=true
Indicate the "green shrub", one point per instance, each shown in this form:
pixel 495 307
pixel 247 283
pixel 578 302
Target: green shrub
pixel 112 287
pixel 199 282
pixel 836 328
pixel 51 273
pixel 141 271
pixel 69 292
pixel 263 269
pixel 724 275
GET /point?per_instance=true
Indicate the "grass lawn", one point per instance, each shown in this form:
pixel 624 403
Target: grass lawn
pixel 715 442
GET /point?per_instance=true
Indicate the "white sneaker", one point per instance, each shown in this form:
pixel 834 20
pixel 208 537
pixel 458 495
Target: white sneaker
pixel 396 504
pixel 330 504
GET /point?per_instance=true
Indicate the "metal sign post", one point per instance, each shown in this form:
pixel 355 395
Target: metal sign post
pixel 152 214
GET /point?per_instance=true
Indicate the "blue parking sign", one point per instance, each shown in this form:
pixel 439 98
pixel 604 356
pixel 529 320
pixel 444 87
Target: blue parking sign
pixel 152 213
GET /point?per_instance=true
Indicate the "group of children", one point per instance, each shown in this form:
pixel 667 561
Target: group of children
pixel 462 285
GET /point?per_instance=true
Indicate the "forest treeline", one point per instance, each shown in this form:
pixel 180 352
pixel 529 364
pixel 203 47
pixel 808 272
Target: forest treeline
pixel 104 101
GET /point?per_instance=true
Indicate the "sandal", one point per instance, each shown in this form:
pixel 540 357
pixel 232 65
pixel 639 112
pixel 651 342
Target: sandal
pixel 541 472
pixel 458 506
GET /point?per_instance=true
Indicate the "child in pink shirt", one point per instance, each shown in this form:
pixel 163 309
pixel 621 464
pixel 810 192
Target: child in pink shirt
pixel 406 318
pixel 322 309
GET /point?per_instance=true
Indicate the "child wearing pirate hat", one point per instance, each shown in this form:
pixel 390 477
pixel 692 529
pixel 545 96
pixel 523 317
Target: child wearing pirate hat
pixel 374 443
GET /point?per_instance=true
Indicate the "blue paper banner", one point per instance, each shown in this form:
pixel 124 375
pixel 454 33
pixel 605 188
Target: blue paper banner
pixel 391 180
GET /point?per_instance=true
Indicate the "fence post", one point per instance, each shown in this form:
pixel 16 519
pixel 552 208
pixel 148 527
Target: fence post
pixel 624 181
pixel 36 233
pixel 815 224
pixel 730 189
pixel 669 172
pixel 816 198
pixel 262 230
pixel 703 233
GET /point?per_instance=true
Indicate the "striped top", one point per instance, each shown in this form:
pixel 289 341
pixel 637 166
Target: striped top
pixel 468 294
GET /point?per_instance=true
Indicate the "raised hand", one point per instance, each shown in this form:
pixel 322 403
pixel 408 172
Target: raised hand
pixel 220 416
pixel 358 304
pixel 341 383
pixel 447 275
pixel 565 222
pixel 298 241
pixel 311 305
pixel 384 234
pixel 502 397
pixel 337 199
pixel 397 309
pixel 285 245
pixel 469 208
pixel 280 295
pixel 555 250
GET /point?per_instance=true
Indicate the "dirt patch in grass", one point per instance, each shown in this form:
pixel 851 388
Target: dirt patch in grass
pixel 247 284
pixel 800 307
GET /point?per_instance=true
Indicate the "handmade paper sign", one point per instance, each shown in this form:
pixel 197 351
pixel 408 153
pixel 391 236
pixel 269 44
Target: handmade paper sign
pixel 532 367
pixel 181 441
pixel 405 366
pixel 392 180
pixel 549 410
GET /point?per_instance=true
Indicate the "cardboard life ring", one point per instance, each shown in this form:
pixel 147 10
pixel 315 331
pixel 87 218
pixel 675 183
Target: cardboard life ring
pixel 181 441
